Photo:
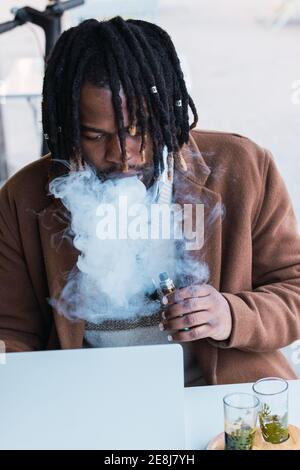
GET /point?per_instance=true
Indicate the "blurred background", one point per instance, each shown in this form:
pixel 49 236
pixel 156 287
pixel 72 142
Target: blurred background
pixel 240 58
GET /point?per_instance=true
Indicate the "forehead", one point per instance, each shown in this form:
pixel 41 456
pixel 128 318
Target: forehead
pixel 96 107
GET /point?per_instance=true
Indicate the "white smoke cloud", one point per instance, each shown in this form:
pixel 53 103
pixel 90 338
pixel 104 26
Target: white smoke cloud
pixel 112 277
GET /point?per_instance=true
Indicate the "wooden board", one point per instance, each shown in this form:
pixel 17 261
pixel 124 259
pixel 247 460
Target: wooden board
pixel 293 443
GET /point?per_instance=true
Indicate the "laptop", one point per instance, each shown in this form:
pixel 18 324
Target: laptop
pixel 106 398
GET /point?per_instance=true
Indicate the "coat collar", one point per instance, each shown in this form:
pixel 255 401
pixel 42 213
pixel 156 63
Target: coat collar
pixel 60 256
pixel 197 169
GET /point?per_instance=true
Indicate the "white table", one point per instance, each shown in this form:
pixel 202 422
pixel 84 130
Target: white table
pixel 204 410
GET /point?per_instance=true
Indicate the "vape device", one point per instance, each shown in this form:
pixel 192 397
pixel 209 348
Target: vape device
pixel 166 287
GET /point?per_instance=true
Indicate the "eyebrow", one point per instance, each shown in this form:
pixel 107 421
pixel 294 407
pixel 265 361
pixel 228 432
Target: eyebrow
pixel 93 129
pixel 98 131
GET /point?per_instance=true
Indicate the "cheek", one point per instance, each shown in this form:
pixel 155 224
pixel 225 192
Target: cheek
pixel 93 152
pixel 133 143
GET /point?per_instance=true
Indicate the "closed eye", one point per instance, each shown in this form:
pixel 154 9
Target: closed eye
pixel 95 138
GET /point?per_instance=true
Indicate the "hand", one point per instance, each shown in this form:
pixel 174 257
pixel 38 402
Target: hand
pixel 202 309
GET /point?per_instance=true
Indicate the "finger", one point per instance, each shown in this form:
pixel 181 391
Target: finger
pixel 189 292
pixel 199 332
pixel 188 321
pixel 188 306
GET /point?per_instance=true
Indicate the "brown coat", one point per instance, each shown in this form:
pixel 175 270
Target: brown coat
pixel 253 255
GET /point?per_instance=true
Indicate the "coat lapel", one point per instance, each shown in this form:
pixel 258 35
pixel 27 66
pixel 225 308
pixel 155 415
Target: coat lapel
pixel 189 188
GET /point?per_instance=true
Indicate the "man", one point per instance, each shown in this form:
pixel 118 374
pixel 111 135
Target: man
pixel 114 97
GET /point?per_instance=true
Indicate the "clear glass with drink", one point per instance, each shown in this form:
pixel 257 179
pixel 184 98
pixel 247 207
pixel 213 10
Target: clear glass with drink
pixel 240 413
pixel 272 393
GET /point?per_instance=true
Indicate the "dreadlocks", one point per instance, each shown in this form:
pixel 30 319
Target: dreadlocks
pixel 135 55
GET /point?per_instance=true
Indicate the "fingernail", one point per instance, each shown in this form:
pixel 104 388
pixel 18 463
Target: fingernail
pixel 161 327
pixel 170 338
pixel 163 316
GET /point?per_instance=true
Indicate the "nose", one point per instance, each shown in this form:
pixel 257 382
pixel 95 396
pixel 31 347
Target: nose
pixel 114 153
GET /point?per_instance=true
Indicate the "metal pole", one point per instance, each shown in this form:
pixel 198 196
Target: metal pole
pixel 50 21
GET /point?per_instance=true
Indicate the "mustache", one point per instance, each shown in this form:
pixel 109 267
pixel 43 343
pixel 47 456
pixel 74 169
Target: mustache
pixel 145 170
